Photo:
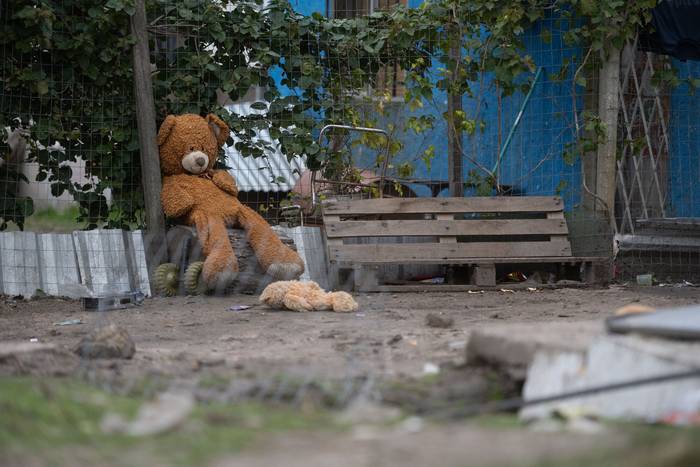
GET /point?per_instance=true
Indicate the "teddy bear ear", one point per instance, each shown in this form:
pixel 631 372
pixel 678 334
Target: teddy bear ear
pixel 219 128
pixel 165 129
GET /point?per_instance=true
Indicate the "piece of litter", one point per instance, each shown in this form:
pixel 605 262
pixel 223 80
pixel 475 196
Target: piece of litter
pixel 645 279
pixel 458 345
pixel 411 425
pixel 531 289
pixel 33 339
pixel 166 413
pixel 430 369
pixel 475 291
pixel 434 280
pixel 507 291
pixel 239 307
pixel 68 322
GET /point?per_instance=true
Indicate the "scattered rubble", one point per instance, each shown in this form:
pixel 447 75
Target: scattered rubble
pixel 435 320
pixel 166 413
pixel 109 341
pixel 37 359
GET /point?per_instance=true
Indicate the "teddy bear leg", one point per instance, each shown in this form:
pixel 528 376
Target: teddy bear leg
pixel 220 266
pixel 319 300
pixel 297 303
pixel 342 302
pixel 276 259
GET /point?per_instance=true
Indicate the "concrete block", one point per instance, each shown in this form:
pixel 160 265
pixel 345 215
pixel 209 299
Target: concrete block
pixel 19 263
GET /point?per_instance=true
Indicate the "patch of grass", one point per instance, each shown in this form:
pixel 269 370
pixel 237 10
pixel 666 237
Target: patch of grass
pixel 52 220
pixel 498 421
pixel 58 422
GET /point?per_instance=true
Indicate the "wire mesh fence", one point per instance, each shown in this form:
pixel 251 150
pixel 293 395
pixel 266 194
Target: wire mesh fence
pixel 526 115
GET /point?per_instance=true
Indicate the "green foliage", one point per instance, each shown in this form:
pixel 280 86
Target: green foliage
pixel 67 68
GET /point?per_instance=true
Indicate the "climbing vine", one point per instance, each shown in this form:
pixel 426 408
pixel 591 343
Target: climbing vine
pixel 67 77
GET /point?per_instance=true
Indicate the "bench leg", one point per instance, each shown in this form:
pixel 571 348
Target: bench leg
pixel 484 275
pixel 366 278
pixel 597 273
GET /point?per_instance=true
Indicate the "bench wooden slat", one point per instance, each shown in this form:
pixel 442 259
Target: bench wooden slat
pixel 391 228
pixel 448 253
pixel 444 205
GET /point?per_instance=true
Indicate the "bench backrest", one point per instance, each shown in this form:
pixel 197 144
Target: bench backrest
pixel 445 230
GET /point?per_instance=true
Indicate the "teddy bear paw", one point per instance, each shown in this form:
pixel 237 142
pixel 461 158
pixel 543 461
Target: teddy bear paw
pixel 285 271
pixel 219 282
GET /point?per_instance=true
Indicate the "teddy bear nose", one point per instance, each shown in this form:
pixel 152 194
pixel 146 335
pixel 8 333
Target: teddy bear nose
pixel 201 161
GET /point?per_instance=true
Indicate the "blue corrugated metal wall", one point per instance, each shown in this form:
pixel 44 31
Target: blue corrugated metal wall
pixel 684 153
pixel 533 164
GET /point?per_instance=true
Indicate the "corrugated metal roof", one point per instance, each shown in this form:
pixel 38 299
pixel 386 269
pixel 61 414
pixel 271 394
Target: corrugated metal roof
pixel 269 173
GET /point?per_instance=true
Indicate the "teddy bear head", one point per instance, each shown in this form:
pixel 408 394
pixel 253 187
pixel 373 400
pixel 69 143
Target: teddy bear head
pixel 189 143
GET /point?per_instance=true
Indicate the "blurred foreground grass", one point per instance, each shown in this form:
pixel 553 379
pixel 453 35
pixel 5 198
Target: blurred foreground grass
pixel 57 422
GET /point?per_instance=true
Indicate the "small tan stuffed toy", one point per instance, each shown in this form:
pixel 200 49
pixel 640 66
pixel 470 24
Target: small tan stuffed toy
pixel 306 296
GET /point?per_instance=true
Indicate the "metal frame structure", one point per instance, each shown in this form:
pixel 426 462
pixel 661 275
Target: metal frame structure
pixel 644 146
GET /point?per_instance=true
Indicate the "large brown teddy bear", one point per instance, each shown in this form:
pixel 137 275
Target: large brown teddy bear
pixel 197 195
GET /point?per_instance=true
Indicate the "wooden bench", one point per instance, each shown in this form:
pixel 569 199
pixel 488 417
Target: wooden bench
pixel 479 232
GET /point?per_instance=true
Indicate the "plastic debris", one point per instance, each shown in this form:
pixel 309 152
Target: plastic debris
pixel 239 307
pixel 507 291
pixel 167 412
pixel 633 308
pixel 411 425
pixel 645 279
pixel 33 339
pixel 687 412
pixel 430 369
pixel 532 289
pixel 457 345
pixel 475 291
pixel 68 322
pixel 679 285
pixel 516 276
pixel 433 280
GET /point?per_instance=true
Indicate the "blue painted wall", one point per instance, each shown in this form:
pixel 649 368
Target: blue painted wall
pixel 533 163
pixel 684 154
pixel 306 7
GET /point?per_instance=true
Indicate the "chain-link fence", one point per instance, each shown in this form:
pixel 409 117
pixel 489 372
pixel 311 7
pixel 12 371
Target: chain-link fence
pixel 517 111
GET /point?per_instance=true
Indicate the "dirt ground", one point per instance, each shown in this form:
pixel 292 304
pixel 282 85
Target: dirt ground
pixel 183 338
pixel 387 337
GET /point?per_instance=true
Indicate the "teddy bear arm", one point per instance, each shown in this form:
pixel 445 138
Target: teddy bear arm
pixel 225 181
pixel 176 201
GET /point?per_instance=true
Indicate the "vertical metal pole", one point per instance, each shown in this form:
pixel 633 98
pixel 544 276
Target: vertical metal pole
pixel 608 108
pixel 454 134
pixel 146 121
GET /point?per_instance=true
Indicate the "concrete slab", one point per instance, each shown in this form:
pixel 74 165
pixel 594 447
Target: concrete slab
pixel 616 359
pixel 111 261
pixel 554 358
pixel 512 346
pixel 19 263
